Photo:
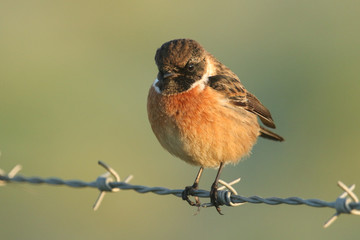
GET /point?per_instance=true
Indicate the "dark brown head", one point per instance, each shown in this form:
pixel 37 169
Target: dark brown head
pixel 181 63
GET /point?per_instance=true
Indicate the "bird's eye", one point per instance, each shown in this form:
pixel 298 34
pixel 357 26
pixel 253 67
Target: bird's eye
pixel 190 67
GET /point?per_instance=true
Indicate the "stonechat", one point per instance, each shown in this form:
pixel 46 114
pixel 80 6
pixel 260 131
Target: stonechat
pixel 201 112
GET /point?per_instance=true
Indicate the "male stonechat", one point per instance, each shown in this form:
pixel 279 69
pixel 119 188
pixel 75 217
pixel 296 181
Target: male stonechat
pixel 200 111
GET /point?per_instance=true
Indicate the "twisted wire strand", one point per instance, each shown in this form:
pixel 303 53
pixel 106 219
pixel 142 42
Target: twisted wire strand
pixel 49 181
pixel 347 202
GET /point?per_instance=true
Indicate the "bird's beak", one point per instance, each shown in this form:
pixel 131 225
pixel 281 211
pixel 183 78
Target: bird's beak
pixel 168 74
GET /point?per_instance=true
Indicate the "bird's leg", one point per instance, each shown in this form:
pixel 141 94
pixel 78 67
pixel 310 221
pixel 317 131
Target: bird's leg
pixel 189 190
pixel 214 191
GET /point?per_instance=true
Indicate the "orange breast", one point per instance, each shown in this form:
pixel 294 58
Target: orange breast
pixel 200 127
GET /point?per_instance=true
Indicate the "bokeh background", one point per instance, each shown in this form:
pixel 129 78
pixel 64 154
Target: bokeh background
pixel 74 77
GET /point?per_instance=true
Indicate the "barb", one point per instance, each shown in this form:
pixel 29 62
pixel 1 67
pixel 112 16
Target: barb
pixel 347 202
pixel 103 183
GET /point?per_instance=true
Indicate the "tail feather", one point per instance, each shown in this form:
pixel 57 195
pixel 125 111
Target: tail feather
pixel 265 133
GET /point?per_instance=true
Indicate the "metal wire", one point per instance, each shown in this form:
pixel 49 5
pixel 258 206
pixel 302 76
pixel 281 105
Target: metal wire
pixel 347 202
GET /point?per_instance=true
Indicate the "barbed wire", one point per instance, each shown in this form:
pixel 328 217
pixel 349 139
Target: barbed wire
pixel 347 202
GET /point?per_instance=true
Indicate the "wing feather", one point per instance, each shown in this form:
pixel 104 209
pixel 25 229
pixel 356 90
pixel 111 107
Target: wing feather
pixel 232 88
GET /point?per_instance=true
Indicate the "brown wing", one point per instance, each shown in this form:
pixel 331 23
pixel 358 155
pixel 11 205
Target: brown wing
pixel 233 89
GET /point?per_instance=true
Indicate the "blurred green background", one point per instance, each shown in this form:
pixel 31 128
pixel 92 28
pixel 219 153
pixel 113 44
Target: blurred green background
pixel 74 77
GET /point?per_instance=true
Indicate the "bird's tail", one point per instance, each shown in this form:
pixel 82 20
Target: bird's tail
pixel 270 135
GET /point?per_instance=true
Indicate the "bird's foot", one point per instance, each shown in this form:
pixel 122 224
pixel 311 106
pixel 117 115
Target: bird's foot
pixel 214 197
pixel 189 191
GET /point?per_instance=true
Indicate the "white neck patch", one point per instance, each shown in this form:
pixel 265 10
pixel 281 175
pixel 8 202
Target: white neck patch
pixel 157 89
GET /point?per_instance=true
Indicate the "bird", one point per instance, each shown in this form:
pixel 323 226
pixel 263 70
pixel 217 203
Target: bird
pixel 201 113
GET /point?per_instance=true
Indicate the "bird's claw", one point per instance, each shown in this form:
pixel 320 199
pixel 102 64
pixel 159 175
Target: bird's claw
pixel 189 191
